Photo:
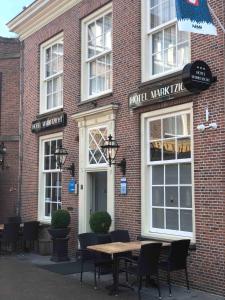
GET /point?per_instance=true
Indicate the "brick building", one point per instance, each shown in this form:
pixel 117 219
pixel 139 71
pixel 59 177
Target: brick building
pixel 9 126
pixel 108 68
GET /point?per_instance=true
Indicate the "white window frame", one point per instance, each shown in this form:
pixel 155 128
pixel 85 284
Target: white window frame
pixel 43 97
pixel 146 45
pixel 84 53
pixel 41 184
pixel 146 173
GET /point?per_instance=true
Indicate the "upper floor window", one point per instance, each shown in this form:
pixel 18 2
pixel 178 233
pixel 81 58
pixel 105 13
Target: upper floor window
pixel 165 48
pixel 97 54
pixel 51 75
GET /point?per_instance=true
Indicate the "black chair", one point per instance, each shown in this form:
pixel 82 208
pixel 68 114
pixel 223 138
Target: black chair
pixel 176 260
pixel 15 219
pixel 98 260
pixel 30 234
pixel 146 265
pixel 10 236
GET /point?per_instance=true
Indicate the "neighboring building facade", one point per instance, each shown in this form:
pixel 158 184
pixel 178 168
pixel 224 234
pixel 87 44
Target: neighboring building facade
pixel 95 68
pixel 9 126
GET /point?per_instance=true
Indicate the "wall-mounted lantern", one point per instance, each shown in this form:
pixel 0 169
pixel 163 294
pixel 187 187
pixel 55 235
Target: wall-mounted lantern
pixel 110 148
pixel 60 157
pixel 2 155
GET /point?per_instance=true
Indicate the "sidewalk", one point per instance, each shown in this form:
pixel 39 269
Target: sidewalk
pixel 20 279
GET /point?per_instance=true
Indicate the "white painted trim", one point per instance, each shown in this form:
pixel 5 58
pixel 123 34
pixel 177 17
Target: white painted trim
pixel 145 189
pixel 103 116
pixel 37 15
pixel 41 207
pixel 84 65
pixel 43 97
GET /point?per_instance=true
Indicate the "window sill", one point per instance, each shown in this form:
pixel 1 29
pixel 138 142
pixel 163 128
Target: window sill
pixel 161 78
pixel 92 100
pixel 52 112
pixel 143 237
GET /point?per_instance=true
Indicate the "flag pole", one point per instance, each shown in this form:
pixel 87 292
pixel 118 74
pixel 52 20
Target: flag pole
pixel 215 16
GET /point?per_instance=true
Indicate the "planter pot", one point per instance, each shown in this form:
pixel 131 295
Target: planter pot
pixel 58 232
pixel 60 244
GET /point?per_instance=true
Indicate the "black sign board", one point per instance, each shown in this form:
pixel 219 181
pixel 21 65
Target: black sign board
pixel 49 122
pixel 197 76
pixel 167 90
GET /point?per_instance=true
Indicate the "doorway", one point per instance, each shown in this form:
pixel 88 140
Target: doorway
pixel 97 191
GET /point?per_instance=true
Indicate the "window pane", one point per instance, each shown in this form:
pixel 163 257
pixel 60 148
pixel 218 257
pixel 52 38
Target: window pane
pixel 47 148
pixel 183 125
pixel 55 181
pixel 183 36
pixel 92 88
pixel 93 69
pixel 169 151
pixel 60 57
pixel 108 81
pixel 47 194
pixel 46 163
pixel 170 37
pixel 100 83
pixel 48 179
pixel 169 127
pixel 185 174
pixel 155 130
pixel 157 42
pixel 171 196
pixel 108 62
pixel 158 196
pixel 91 48
pixel 172 174
pixel 99 27
pixel 53 147
pixel 53 163
pixel 184 148
pixel 172 219
pixel 158 218
pixel 155 151
pixel 91 31
pixel 168 10
pixel 101 65
pixel 47 70
pixel 108 31
pixel 47 209
pixel 170 59
pixel 186 196
pixel 186 220
pixel 54 207
pixel 49 87
pixel 99 45
pixel 158 175
pixel 48 55
pixel 155 17
pixel 183 54
pixel 157 63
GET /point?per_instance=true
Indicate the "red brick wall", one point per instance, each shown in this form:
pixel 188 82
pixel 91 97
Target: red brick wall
pixel 207 263
pixel 9 125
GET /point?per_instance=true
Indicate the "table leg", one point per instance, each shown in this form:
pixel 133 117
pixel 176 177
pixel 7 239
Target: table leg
pixel 114 291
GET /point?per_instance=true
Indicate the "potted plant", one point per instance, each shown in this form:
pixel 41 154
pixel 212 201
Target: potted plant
pixel 59 231
pixel 100 223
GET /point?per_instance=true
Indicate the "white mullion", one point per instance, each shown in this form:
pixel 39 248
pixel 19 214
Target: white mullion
pixel 179 197
pixel 164 188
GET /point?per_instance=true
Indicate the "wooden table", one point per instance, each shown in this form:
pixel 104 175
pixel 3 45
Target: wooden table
pixel 119 247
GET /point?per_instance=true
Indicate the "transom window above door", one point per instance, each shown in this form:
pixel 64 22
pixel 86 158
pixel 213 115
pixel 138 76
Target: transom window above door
pixel 96 139
pixel 51 75
pixel 165 48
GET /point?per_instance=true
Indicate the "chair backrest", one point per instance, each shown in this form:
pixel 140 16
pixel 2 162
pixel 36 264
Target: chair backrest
pixel 87 239
pixel 149 259
pixel 30 231
pixel 120 236
pixel 15 219
pixel 178 254
pixel 11 232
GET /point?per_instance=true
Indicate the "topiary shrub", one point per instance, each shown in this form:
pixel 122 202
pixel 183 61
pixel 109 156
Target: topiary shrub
pixel 60 219
pixel 100 222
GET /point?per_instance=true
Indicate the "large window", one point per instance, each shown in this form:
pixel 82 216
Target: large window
pixel 97 54
pixel 169 175
pixel 52 75
pixel 50 186
pixel 165 48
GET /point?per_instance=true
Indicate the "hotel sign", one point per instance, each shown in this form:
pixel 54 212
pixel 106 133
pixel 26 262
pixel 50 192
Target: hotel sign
pixel 157 93
pixel 50 122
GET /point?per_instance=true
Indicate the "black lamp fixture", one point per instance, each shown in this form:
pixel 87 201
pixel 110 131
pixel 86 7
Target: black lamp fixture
pixel 2 155
pixel 60 157
pixel 110 148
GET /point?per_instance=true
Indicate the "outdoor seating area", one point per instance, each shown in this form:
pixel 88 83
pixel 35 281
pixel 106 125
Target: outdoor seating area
pixel 18 236
pixel 115 251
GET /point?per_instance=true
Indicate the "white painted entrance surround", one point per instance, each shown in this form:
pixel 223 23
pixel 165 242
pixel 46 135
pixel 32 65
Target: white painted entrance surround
pixel 102 116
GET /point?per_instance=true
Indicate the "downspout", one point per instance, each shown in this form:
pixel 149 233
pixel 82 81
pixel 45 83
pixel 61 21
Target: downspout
pixel 18 204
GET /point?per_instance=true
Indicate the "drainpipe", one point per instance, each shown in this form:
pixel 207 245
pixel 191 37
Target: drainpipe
pixel 18 204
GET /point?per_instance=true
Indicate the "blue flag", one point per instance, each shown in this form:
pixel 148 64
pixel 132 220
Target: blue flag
pixel 194 16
